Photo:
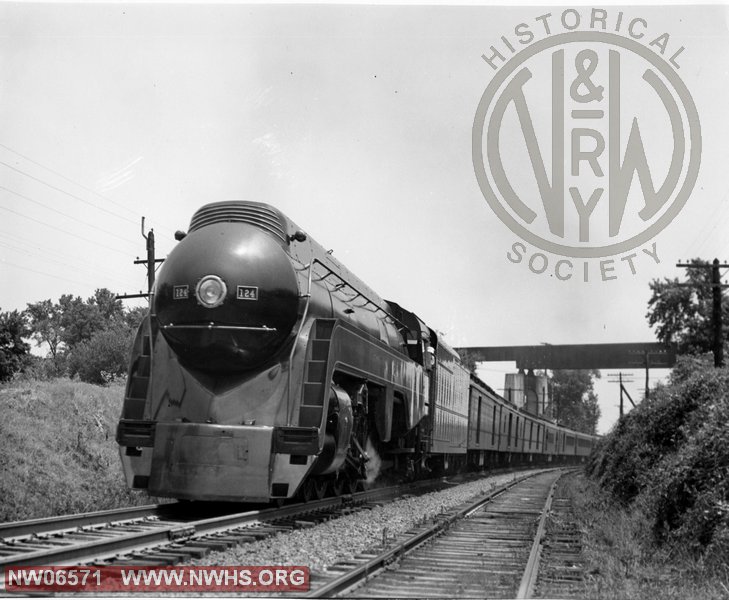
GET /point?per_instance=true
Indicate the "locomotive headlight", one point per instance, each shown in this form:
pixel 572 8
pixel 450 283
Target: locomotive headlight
pixel 210 291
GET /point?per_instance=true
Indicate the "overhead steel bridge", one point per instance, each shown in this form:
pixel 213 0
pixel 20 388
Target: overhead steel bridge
pixel 577 356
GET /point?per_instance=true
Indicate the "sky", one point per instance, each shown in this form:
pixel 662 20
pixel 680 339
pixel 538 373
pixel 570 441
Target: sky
pixel 355 121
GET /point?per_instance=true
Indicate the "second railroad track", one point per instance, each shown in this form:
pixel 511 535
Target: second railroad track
pixel 490 547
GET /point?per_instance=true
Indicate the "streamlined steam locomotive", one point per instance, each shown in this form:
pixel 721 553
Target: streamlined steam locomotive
pixel 265 369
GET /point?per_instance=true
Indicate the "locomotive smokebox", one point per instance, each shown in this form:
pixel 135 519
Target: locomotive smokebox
pixel 227 296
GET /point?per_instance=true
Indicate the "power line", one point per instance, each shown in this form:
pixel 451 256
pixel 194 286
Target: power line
pixel 35 246
pixel 704 231
pixel 90 272
pixel 92 225
pixel 76 183
pixel 62 176
pixel 718 221
pixel 45 250
pixel 64 231
pixel 5 262
pixel 62 191
pixel 96 266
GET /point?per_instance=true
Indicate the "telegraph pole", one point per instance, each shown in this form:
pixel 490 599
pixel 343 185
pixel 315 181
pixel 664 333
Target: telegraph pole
pixel 716 296
pixel 150 262
pixel 150 259
pixel 623 390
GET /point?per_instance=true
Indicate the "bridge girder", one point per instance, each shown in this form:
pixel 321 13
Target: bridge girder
pixel 577 356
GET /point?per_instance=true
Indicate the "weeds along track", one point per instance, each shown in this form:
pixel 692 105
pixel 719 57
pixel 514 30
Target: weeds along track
pixel 167 534
pixel 490 547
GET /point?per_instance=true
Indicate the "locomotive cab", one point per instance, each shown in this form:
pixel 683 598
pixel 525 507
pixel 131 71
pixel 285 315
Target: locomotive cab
pixel 419 340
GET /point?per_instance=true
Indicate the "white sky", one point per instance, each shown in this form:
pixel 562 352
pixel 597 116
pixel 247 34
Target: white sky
pixel 353 120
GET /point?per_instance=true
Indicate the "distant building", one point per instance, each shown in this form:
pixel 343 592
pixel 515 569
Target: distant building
pixel 529 392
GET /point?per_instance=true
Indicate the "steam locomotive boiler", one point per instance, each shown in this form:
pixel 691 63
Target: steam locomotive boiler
pixel 266 369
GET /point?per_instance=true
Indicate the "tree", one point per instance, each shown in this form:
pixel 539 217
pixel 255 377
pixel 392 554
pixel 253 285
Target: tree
pixel 574 399
pixel 468 360
pixel 104 356
pixel 89 338
pixel 71 320
pixel 79 319
pixel 109 307
pixel 133 317
pixel 44 321
pixel 13 350
pixel 681 312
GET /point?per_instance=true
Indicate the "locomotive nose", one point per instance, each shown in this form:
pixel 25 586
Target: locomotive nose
pixel 227 297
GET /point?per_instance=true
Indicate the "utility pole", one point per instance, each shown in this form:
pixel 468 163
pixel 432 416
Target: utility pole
pixel 647 375
pixel 150 258
pixel 716 296
pixel 150 262
pixel 623 390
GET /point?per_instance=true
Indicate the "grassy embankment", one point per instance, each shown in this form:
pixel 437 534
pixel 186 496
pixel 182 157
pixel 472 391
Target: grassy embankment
pixel 622 563
pixel 656 508
pixel 57 449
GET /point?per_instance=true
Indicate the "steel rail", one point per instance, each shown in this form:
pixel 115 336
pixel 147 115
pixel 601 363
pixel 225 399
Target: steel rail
pixel 379 562
pixel 156 535
pixel 160 533
pixel 561 562
pixel 61 523
pixel 17 529
pixel 529 579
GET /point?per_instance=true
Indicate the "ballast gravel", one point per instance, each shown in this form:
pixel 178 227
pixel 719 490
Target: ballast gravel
pixel 343 538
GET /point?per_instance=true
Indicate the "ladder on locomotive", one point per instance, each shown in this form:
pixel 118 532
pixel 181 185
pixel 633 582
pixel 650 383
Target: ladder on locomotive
pixel 316 387
pixel 135 398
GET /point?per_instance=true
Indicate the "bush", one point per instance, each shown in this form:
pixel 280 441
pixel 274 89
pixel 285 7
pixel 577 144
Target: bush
pixel 102 358
pixel 669 459
pixel 37 368
pixel 689 488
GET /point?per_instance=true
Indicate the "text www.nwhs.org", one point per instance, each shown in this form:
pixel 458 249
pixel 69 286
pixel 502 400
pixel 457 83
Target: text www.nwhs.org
pixel 157 579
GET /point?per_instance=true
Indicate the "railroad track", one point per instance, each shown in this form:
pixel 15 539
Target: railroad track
pixel 561 571
pixel 25 529
pixel 168 534
pixel 487 548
